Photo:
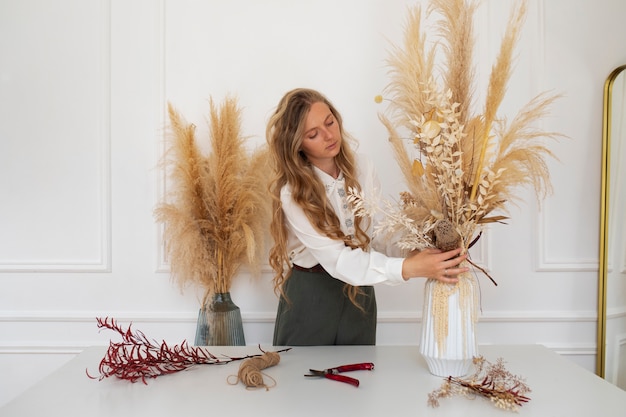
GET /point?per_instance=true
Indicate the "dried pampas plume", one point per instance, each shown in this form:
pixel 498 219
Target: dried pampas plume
pixel 460 167
pixel 216 208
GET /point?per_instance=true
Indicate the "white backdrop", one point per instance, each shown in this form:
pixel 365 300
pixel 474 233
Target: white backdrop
pixel 83 91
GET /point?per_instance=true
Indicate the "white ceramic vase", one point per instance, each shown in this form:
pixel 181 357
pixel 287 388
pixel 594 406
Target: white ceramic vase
pixel 449 353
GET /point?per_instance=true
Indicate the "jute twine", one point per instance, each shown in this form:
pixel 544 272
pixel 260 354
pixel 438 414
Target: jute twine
pixel 250 371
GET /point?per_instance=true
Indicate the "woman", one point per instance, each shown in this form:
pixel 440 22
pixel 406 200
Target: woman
pixel 324 267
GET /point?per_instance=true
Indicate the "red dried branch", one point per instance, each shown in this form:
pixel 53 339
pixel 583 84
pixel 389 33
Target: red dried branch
pixel 138 358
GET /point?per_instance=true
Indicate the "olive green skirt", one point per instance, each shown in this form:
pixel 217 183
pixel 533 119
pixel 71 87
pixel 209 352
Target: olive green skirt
pixel 317 311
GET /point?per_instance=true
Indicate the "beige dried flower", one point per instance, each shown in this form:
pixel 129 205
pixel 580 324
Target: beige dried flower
pixel 460 168
pixel 490 380
pixel 464 166
pixel 216 211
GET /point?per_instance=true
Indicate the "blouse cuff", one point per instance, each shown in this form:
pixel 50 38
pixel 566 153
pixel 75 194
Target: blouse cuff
pixel 394 271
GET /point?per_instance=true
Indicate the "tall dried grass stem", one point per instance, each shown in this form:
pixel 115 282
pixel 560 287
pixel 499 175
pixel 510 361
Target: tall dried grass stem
pixel 216 209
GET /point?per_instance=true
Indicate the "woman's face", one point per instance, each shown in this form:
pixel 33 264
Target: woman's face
pixel 322 137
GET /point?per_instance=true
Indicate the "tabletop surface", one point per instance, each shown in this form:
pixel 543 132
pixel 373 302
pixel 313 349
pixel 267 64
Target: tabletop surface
pixel 399 385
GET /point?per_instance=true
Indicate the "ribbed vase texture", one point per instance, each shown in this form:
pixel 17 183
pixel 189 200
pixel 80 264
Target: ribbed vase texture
pixel 459 347
pixel 219 323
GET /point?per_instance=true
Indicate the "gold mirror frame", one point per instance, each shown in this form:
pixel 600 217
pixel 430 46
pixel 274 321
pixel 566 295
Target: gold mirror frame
pixel 604 218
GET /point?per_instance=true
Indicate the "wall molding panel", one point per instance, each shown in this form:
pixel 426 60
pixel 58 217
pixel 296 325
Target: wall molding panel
pixel 173 317
pixel 548 263
pixel 40 332
pixel 98 257
pixel 549 329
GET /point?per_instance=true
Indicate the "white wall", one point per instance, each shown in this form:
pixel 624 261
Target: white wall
pixel 83 89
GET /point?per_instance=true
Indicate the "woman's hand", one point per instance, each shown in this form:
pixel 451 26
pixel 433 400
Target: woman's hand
pixel 432 263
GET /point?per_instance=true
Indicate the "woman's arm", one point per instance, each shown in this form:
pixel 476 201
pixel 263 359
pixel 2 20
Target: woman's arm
pixel 353 266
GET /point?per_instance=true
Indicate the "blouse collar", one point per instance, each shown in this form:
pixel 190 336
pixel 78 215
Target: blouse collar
pixel 327 179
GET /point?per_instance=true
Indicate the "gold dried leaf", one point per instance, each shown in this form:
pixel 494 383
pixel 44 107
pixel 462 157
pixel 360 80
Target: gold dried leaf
pixel 418 168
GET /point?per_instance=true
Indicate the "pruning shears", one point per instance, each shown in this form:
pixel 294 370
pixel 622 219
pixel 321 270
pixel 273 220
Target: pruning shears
pixel 333 373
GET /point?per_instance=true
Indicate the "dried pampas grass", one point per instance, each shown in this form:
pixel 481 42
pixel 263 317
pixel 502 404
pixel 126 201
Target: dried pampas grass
pixel 217 207
pixel 458 166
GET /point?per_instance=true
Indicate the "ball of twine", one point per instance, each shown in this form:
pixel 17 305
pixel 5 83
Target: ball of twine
pixel 250 371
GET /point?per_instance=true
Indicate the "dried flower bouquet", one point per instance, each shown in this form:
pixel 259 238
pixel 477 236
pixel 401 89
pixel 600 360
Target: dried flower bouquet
pixel 216 211
pixel 461 168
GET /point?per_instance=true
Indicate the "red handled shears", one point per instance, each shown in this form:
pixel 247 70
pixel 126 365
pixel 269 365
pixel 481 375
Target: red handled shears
pixel 333 373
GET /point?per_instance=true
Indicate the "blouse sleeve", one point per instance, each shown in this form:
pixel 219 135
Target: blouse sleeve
pixel 353 266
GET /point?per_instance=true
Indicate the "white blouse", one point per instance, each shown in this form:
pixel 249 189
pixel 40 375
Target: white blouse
pixel 307 247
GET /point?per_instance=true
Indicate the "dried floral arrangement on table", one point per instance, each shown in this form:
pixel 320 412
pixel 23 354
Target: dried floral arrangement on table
pixel 490 380
pixel 136 357
pixel 462 169
pixel 217 208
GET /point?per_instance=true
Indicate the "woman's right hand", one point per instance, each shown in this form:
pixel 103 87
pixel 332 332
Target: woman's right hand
pixel 433 263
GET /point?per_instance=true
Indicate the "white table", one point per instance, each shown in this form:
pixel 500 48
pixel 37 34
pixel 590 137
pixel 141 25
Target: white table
pixel 398 386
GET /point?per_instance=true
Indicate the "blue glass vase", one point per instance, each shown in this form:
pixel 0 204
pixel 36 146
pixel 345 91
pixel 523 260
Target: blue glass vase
pixel 219 323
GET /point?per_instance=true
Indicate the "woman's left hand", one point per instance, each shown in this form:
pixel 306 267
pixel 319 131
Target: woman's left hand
pixel 433 263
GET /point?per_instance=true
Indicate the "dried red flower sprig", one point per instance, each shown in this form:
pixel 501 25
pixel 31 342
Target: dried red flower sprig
pixel 492 381
pixel 138 358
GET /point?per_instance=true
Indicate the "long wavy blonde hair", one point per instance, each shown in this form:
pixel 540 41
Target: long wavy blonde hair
pixel 285 131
